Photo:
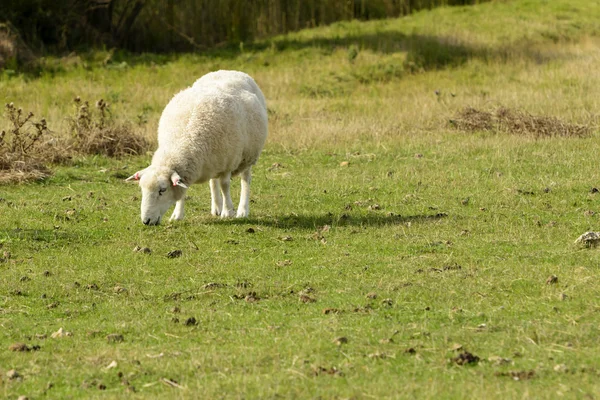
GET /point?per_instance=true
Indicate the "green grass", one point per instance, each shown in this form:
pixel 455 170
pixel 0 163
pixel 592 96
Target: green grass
pixel 456 233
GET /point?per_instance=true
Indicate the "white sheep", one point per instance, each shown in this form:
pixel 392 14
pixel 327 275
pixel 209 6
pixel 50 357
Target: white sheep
pixel 213 130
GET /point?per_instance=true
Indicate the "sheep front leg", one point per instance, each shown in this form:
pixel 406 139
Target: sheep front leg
pixel 227 210
pixel 178 212
pixel 244 206
pixel 216 200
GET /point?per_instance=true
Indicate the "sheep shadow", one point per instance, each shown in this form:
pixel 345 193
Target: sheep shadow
pixel 312 222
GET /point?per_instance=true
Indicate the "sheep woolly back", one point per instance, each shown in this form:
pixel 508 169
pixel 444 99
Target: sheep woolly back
pixel 216 126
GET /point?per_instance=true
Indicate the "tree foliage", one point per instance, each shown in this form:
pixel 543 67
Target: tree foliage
pixel 159 25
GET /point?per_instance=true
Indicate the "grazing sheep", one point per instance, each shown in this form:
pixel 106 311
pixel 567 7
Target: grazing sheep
pixel 213 130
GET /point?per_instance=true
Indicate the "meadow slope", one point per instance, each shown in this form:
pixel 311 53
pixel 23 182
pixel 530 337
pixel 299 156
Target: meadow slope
pixel 388 254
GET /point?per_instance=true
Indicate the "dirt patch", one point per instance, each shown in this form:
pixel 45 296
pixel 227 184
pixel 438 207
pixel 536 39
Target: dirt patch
pixel 518 375
pixel 306 298
pixel 517 122
pixel 317 371
pixel 115 338
pixel 174 254
pixel 466 358
pixel 22 347
pixel 214 285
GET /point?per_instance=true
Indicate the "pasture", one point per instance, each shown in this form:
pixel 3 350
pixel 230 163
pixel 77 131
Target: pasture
pixel 395 249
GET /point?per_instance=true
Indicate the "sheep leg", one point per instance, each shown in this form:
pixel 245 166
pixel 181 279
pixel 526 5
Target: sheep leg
pixel 244 206
pixel 227 210
pixel 216 200
pixel 178 212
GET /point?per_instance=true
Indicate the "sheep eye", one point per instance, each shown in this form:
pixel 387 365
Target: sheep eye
pixel 161 191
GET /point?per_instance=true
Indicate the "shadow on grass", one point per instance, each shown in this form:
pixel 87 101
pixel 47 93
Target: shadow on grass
pixel 424 52
pixel 39 235
pixel 312 222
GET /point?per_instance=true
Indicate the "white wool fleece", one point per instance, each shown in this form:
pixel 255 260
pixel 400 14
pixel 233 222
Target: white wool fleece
pixel 212 130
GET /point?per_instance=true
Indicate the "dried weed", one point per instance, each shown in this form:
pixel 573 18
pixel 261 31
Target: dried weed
pixel 94 132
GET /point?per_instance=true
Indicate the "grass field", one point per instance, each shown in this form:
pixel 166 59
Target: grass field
pixel 388 255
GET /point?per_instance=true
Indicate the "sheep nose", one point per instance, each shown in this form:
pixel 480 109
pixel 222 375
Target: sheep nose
pixel 146 221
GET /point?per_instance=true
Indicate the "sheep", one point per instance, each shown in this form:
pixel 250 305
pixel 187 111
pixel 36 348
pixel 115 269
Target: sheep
pixel 210 131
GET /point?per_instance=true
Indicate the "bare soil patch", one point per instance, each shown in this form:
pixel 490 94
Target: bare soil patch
pixel 516 122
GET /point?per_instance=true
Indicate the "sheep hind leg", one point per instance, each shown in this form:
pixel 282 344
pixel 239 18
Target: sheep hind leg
pixel 244 207
pixel 216 200
pixel 227 210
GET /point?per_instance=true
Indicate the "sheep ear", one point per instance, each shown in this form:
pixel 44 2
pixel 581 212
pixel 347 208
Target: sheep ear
pixel 176 179
pixel 137 176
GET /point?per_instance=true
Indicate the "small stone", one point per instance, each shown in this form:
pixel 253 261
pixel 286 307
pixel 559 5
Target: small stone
pixel 13 374
pixel 552 279
pixel 563 297
pixel 589 239
pixel 119 289
pixel 344 164
pixel 113 364
pixel 60 333
pixel 561 368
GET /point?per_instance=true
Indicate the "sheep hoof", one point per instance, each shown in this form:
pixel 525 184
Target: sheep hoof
pixel 227 214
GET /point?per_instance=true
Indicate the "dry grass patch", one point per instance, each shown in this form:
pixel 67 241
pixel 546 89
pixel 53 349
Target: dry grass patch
pixel 517 122
pixel 27 147
pixel 23 153
pixel 93 132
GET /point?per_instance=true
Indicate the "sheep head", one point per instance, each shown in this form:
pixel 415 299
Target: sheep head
pixel 161 188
